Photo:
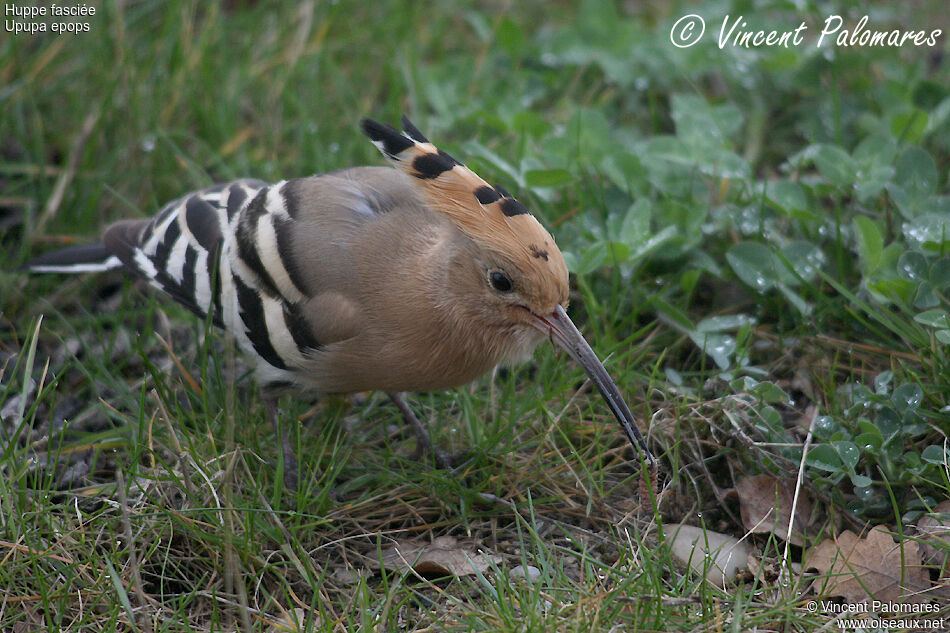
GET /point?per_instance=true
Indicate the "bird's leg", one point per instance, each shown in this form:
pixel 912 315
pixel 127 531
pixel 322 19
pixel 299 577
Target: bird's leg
pixel 288 457
pixel 442 459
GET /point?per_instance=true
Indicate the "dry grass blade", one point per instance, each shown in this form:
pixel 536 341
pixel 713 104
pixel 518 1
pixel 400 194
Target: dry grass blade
pixel 66 176
pixel 137 587
pixel 181 367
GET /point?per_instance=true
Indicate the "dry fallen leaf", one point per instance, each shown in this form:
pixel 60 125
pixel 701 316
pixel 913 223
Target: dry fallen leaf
pixel 803 422
pixel 870 568
pixel 444 556
pixel 766 505
pixel 934 532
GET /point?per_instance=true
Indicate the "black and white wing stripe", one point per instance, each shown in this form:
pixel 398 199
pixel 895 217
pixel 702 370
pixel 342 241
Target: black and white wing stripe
pixel 178 251
pixel 264 286
pixel 227 251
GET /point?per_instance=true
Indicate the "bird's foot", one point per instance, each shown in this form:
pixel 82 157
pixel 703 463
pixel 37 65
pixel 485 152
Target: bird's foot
pixel 443 459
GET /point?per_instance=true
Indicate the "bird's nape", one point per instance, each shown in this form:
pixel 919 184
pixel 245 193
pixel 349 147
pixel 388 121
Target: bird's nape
pixel 562 331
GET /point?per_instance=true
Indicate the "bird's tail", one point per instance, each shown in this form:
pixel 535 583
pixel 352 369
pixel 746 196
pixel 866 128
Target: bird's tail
pixel 87 258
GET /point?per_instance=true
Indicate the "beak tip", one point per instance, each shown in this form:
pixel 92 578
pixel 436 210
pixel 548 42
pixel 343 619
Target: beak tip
pixel 563 332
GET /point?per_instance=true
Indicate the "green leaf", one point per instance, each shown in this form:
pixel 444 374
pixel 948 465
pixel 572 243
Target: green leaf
pixel 899 290
pixel 655 241
pixel 849 454
pixel 866 426
pixel 861 481
pixel 915 182
pixel 530 123
pixel 787 196
pixel 591 132
pixel 872 181
pixel 882 382
pixel 940 274
pixel 943 336
pixel 547 177
pixel 510 37
pixel 824 457
pixel 479 24
pixel 909 126
pixel 836 165
pixel 913 464
pixel 933 318
pixel 754 263
pixel 869 442
pixel 925 297
pixel 888 422
pixel 805 259
pixel 636 223
pixel 672 314
pixel 935 454
pixel 795 299
pixel 874 157
pixel 499 164
pixel 930 232
pixel 617 252
pixel 907 397
pixel 912 266
pixel 626 171
pixel 673 376
pixel 571 260
pixel 688 280
pixel 928 94
pixel 875 151
pixel 719 347
pixel 870 242
pixel 698 121
pixel 768 392
pixel 726 323
pixel 593 258
pixel 669 148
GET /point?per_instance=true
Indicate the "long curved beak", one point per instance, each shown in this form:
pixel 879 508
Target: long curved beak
pixel 561 330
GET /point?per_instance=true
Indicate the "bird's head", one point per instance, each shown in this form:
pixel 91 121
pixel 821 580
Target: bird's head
pixel 516 269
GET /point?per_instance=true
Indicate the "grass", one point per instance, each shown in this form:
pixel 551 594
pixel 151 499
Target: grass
pixel 745 231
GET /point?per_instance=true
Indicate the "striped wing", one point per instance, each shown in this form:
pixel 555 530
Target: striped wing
pixel 178 251
pixel 264 293
pixel 226 250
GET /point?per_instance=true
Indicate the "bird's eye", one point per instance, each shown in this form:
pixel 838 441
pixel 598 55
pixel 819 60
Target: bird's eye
pixel 500 281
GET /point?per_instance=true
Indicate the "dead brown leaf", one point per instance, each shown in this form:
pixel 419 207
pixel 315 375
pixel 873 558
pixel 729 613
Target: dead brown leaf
pixel 443 556
pixel 803 422
pixel 934 532
pixel 765 504
pixel 870 568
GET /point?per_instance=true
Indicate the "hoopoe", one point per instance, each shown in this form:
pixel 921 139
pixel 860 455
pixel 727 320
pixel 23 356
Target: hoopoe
pixel 419 278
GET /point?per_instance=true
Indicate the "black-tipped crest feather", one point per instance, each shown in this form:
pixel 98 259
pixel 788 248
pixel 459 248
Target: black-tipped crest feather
pixel 392 140
pixel 412 131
